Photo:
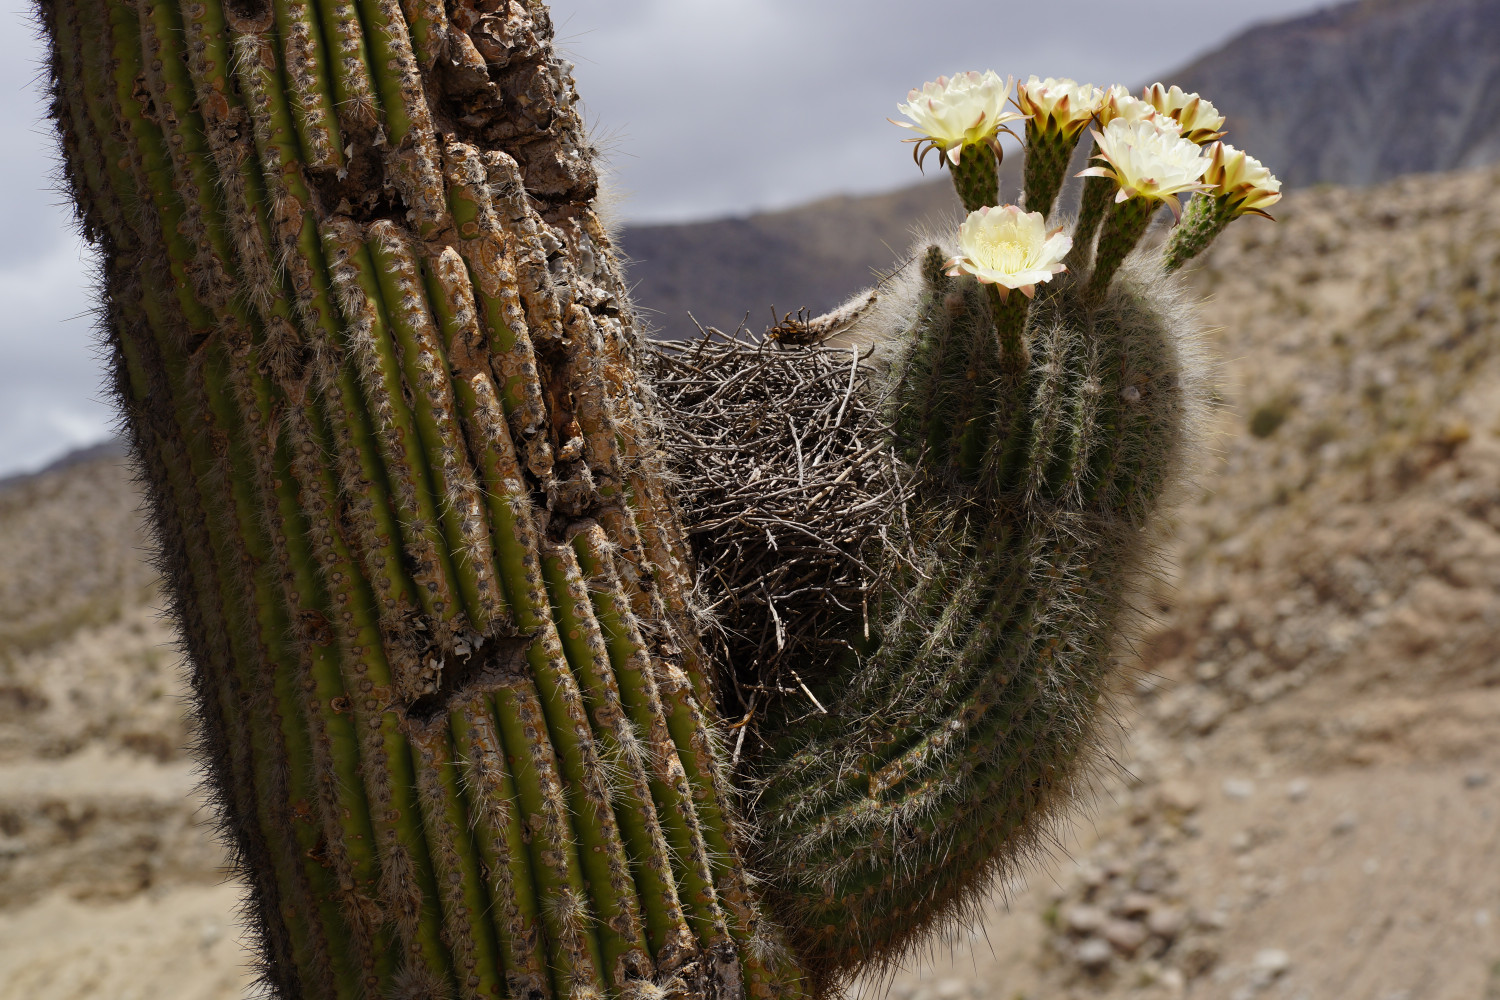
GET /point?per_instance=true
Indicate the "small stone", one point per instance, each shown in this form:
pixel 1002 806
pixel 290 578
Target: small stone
pixel 1134 904
pixel 1297 789
pixel 1173 981
pixel 1214 920
pixel 1196 957
pixel 951 989
pixel 1205 716
pixel 1151 878
pixel 1273 962
pixel 1476 779
pixel 1238 789
pixel 209 933
pixel 1084 919
pixel 1345 824
pixel 1093 953
pixel 1126 936
pixel 1179 797
pixel 1166 922
pixel 1091 875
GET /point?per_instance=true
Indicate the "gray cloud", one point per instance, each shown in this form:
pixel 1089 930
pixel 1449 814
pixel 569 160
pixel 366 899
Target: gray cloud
pixel 727 107
pixel 704 107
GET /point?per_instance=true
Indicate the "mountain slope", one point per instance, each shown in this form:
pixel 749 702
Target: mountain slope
pixel 1361 92
pixel 813 256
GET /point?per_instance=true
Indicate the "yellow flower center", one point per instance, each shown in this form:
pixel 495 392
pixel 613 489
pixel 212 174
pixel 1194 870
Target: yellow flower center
pixel 1007 255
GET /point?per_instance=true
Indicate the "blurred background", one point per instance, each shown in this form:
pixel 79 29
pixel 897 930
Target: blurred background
pixel 1305 801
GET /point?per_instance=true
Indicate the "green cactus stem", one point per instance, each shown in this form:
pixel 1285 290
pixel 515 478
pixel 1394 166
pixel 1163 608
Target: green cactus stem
pixel 1124 225
pixel 1093 204
pixel 1048 152
pixel 976 176
pixel 1008 313
pixel 1202 221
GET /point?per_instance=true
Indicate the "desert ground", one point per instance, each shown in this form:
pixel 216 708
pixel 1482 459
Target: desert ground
pixel 1303 801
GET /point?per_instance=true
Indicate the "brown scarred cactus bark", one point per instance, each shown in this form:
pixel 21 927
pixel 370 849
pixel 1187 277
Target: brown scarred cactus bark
pixel 375 354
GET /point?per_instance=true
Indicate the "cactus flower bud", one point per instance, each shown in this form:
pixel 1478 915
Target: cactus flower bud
pixel 1010 249
pixel 1119 103
pixel 1059 105
pixel 1200 120
pixel 1247 186
pixel 952 113
pixel 1148 161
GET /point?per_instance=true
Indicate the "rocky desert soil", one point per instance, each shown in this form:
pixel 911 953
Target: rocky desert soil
pixel 1305 798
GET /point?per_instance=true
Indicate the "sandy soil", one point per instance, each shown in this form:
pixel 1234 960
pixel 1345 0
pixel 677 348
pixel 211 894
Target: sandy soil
pixel 1305 806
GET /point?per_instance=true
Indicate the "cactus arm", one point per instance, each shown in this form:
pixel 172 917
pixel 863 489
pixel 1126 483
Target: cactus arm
pixel 1202 221
pixel 976 176
pixel 1124 225
pixel 963 727
pixel 1047 154
pixel 1093 203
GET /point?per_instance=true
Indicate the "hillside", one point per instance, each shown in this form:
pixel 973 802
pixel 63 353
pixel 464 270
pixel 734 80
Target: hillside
pixel 812 257
pixel 1307 798
pixel 1361 92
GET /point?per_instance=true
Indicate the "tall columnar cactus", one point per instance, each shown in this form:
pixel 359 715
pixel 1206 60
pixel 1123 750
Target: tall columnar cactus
pixel 374 352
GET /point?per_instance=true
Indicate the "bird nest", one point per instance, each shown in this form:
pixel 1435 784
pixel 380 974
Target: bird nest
pixel 795 505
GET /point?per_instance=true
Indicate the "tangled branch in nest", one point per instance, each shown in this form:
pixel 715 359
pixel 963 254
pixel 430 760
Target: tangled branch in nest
pixel 790 489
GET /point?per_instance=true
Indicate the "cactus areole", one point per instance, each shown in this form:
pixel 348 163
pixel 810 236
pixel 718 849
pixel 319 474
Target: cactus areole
pixel 438 531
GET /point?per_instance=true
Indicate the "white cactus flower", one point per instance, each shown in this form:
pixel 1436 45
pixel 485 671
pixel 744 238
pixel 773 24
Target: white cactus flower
pixel 1118 102
pixel 1200 120
pixel 1250 187
pixel 1148 161
pixel 1059 105
pixel 954 112
pixel 1009 248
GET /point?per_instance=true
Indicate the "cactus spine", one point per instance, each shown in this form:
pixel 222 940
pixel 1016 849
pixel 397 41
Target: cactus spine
pixel 381 376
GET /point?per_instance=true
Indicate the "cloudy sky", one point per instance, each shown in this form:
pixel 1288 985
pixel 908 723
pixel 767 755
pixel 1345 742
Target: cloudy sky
pixel 705 107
